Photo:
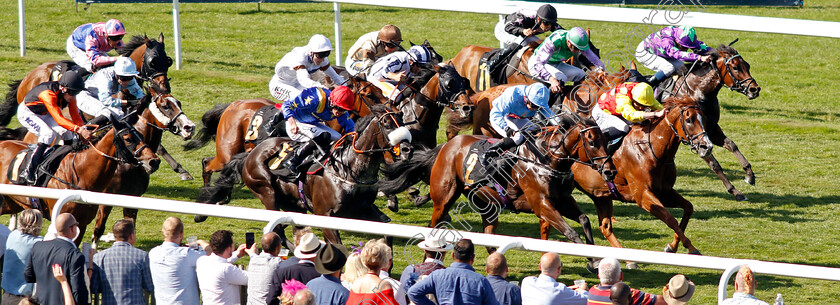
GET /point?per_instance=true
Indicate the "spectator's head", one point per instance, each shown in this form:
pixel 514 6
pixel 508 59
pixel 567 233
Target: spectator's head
pixel 67 226
pixel 331 259
pixel 496 265
pixel 173 230
pixel 435 247
pixel 389 255
pixel 745 280
pixel 354 267
pixel 305 297
pixel 124 231
pixel 30 222
pixel 290 289
pixel 550 264
pixel 620 294
pixel 298 233
pixel 373 256
pixel 221 242
pixel 308 247
pixel 464 251
pixel 270 243
pixel 609 271
pixel 678 291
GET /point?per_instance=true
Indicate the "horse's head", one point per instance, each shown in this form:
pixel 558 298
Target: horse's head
pixel 734 71
pixel 130 147
pixel 581 138
pixel 365 94
pixel 166 114
pixel 389 133
pixel 453 91
pixel 687 121
pixel 156 64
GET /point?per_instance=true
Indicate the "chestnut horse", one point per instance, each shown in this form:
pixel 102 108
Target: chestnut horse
pixel 646 170
pixel 346 187
pixel 91 167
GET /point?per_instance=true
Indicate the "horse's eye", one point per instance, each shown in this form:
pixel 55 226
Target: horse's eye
pixel 689 119
pixel 735 68
pixel 165 107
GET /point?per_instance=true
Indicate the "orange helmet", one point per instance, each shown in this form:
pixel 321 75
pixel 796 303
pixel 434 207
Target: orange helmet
pixel 342 97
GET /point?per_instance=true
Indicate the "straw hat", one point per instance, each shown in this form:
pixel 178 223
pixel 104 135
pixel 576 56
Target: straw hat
pixel 309 246
pixel 678 291
pixel 435 244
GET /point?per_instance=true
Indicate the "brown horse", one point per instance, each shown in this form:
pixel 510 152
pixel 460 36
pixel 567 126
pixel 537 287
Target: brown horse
pixel 646 170
pixel 346 187
pixel 90 167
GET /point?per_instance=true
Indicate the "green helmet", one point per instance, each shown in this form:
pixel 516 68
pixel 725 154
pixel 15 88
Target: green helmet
pixel 579 38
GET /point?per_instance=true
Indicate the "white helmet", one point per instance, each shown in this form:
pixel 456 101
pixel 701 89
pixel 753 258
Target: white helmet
pixel 125 67
pixel 319 43
pixel 420 54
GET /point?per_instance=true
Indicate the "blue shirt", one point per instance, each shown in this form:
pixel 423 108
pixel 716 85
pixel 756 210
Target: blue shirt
pixel 173 273
pixel 18 249
pixel 512 103
pixel 313 106
pixel 506 293
pixel 328 290
pixel 121 274
pixel 546 290
pixel 457 285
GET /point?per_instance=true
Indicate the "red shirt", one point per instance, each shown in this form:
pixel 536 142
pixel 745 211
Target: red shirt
pixel 600 295
pixel 607 99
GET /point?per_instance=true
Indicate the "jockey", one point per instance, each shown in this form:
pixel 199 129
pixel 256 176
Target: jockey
pixel 98 97
pixel 89 44
pixel 626 103
pixel 389 73
pixel 292 72
pixel 547 62
pixel 665 51
pixel 521 29
pixel 510 113
pixel 40 113
pixel 305 115
pixel 372 46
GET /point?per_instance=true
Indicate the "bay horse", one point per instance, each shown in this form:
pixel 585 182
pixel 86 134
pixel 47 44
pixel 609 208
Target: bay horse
pixel 646 171
pixel 90 166
pixel 346 187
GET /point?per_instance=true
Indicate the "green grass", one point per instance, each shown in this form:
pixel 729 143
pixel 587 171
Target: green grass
pixel 790 133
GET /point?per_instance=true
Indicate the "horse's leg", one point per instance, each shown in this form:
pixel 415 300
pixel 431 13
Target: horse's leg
pixel 547 212
pixel 185 176
pixel 715 166
pixel 675 200
pixel 604 206
pixel 205 172
pixel 545 229
pixel 444 193
pixel 102 214
pixel 489 221
pixel 750 175
pixel 654 206
pixel 570 209
pixel 393 203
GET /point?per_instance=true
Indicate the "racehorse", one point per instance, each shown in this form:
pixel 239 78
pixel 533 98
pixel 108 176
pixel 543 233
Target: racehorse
pixel 90 166
pixel 345 188
pixel 646 170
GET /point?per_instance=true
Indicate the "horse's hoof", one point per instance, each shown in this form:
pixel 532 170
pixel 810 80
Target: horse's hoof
pixel 413 192
pixel 750 180
pixel 695 252
pixel 393 205
pixel 380 194
pixel 199 218
pixel 740 197
pixel 185 176
pixel 632 266
pixel 669 249
pixel 421 200
pixel 592 266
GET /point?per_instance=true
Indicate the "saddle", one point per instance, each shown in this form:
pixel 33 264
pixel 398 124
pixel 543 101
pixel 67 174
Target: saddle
pixel 52 159
pixel 667 85
pixel 312 163
pixel 494 174
pixel 266 123
pixel 493 76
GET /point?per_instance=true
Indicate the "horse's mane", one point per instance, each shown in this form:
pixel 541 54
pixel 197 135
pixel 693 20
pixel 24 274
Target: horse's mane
pixel 364 121
pixel 132 44
pixel 675 102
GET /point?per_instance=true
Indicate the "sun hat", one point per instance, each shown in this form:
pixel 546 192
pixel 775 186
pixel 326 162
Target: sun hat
pixel 435 244
pixel 678 291
pixel 308 247
pixel 331 258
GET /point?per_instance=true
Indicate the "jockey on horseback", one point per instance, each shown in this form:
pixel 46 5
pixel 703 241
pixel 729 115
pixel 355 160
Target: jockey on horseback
pixel 89 44
pixel 665 51
pixel 305 116
pixel 390 72
pixel 510 113
pixel 547 62
pixel 521 29
pixel 292 72
pixel 372 46
pixel 40 113
pixel 98 97
pixel 626 103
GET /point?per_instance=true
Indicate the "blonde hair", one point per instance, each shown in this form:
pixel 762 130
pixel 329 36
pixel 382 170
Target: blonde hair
pixel 30 222
pixel 353 269
pixel 172 226
pixel 373 256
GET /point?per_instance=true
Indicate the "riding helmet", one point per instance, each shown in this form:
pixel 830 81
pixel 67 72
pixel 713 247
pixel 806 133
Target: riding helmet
pixel 124 66
pixel 643 94
pixel 547 13
pixel 342 97
pixel 319 43
pixel 688 38
pixel 420 54
pixel 579 38
pixel 537 93
pixel 114 27
pixel 390 33
pixel 72 81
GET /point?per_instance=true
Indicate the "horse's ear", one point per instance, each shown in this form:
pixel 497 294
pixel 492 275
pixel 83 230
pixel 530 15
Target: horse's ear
pixel 588 34
pixel 146 38
pixel 411 43
pixel 733 42
pixel 633 65
pixel 160 38
pixel 426 43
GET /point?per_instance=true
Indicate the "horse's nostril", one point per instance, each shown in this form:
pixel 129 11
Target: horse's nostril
pixel 189 128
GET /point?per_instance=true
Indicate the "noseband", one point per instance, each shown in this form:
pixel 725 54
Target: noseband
pixel 687 140
pixel 740 86
pixel 168 123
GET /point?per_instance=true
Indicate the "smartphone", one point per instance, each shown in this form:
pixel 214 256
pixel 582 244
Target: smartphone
pixel 249 239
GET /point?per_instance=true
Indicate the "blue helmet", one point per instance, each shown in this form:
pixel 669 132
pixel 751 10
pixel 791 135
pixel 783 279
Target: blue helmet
pixel 420 54
pixel 537 93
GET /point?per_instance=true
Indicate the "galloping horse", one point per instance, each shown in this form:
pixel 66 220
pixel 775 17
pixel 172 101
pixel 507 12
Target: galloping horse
pixel 346 187
pixel 646 170
pixel 90 167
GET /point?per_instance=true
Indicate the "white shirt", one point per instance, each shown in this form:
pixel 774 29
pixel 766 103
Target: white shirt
pixel 301 56
pixel 173 273
pixel 219 280
pixel 546 290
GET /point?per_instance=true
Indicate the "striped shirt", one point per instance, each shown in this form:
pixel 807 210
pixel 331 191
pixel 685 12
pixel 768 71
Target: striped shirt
pixel 600 295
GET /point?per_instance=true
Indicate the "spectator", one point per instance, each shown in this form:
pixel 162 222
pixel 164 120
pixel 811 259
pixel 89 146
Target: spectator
pixel 65 286
pixel 18 248
pixel 353 269
pixel 389 261
pixel 290 289
pixel 609 273
pixel 744 289
pixel 305 297
pixel 435 252
pixel 458 284
pixel 261 268
pixel 370 288
pixel 327 288
pixel 4 234
pixel 121 273
pixel 64 252
pixel 304 271
pixel 298 233
pixel 546 290
pixel 620 294
pixel 218 278
pixel 173 266
pixel 497 271
pixel 678 291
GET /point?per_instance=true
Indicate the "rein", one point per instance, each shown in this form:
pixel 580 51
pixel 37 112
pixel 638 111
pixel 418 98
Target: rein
pixel 117 159
pixel 163 119
pixel 689 141
pixel 740 86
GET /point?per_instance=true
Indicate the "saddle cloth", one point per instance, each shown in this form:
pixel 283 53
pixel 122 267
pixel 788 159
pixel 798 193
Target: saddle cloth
pixel 275 163
pixel 258 130
pixel 498 76
pixel 52 159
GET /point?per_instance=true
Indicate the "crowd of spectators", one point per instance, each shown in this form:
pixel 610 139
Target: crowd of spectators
pixel 54 271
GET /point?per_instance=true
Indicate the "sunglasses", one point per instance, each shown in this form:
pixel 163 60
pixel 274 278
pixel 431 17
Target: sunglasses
pixel 547 22
pixel 391 45
pixel 322 54
pixel 115 38
pixel 125 78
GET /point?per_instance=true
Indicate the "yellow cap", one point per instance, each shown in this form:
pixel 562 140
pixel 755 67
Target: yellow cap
pixel 643 93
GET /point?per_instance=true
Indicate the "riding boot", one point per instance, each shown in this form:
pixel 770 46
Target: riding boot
pixel 293 163
pixel 82 72
pixel 614 144
pixel 501 56
pixel 656 79
pixel 100 120
pixel 497 150
pixel 269 126
pixel 34 162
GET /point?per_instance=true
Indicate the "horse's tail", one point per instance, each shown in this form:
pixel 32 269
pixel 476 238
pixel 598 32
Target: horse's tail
pixel 210 122
pixel 402 174
pixel 9 108
pixel 228 178
pixel 12 134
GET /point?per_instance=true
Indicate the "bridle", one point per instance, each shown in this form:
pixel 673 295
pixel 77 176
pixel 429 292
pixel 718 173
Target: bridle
pixel 687 140
pixel 167 122
pixel 740 86
pixel 353 136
